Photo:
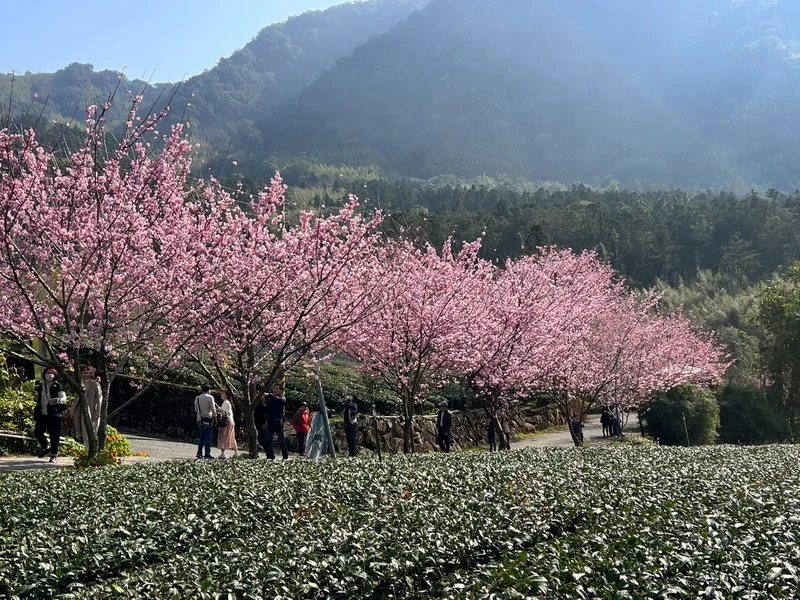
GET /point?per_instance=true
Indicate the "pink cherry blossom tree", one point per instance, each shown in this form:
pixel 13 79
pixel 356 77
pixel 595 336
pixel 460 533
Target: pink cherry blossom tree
pixel 101 252
pixel 627 350
pixel 413 340
pixel 527 322
pixel 293 292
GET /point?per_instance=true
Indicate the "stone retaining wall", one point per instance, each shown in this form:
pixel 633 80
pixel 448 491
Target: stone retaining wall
pixel 470 430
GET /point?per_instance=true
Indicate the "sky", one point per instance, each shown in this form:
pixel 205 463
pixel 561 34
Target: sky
pixel 168 39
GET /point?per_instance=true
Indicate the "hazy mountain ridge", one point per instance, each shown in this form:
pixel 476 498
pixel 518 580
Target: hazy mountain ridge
pixel 615 90
pixel 226 100
pixel 683 93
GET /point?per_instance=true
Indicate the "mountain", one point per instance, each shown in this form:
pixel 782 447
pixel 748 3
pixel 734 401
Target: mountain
pixel 678 93
pixel 225 101
pixel 609 92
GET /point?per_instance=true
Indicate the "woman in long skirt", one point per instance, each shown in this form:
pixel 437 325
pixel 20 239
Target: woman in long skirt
pixel 226 432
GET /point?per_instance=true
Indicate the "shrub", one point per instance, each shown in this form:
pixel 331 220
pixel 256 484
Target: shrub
pixel 16 401
pixel 117 446
pixel 665 417
pixel 612 522
pixel 16 410
pixel 748 417
pixel 104 458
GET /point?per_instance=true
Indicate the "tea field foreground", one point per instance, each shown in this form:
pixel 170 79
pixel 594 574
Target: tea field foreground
pixel 615 522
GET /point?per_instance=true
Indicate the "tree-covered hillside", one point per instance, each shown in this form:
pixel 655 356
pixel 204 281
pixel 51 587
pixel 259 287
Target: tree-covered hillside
pixel 683 93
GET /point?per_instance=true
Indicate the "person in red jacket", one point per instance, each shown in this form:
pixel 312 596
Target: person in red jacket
pixel 301 422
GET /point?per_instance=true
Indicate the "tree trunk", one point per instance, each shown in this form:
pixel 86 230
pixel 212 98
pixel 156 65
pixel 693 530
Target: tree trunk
pixel 252 432
pixel 92 443
pixel 503 443
pixel 102 430
pixel 565 405
pixel 408 425
pixel 249 401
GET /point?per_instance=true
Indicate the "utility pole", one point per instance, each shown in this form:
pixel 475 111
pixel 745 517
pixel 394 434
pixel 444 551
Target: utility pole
pixel 324 411
pixel 686 430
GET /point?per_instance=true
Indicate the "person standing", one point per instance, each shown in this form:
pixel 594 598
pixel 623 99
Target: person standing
pixel 444 427
pixel 275 408
pixel 260 421
pixel 50 404
pixel 93 396
pixel 506 424
pixel 226 427
pixel 301 423
pixel 492 433
pixel 606 420
pixel 351 425
pixel 206 410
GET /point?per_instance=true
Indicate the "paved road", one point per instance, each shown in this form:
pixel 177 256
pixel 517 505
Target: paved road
pixel 160 450
pixel 592 435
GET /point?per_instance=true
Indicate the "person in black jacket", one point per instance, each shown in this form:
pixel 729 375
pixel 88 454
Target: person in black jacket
pixel 606 420
pixel 51 402
pixel 444 427
pixel 351 425
pixel 492 433
pixel 260 420
pixel 275 404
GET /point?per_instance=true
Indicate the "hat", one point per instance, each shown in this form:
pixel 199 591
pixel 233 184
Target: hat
pixel 443 403
pixel 304 403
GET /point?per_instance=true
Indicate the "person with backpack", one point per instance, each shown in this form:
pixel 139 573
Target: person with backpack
pixel 51 401
pixel 275 404
pixel 226 427
pixel 301 423
pixel 206 411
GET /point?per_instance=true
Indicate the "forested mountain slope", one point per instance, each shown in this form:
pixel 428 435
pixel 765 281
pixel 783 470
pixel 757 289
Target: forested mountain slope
pixel 679 93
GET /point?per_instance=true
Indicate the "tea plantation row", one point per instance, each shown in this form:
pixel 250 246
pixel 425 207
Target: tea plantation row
pixel 600 523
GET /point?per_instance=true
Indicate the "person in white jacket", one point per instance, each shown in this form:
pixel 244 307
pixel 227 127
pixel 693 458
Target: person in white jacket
pixel 206 410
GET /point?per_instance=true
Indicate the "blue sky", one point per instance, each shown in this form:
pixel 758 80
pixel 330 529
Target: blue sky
pixel 171 38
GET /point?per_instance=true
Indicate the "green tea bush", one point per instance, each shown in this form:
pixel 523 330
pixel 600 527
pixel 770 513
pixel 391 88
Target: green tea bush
pixel 612 522
pixel 748 417
pixel 665 417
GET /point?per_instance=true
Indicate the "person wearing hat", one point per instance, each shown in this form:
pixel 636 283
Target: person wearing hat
pixel 444 427
pixel 275 404
pixel 351 424
pixel 301 423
